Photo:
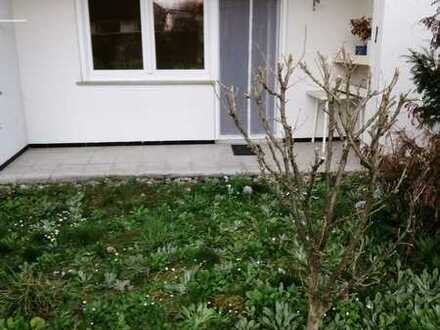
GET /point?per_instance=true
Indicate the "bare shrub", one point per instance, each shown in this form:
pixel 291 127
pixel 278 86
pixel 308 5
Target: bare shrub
pixel 331 248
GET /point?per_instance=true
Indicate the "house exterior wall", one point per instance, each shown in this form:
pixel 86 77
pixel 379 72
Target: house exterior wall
pixel 327 29
pixel 401 30
pixel 60 111
pixel 12 123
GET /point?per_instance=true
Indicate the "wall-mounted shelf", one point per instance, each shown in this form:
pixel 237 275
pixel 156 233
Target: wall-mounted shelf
pixel 361 60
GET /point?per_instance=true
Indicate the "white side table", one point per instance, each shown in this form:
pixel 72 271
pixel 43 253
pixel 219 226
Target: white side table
pixel 320 98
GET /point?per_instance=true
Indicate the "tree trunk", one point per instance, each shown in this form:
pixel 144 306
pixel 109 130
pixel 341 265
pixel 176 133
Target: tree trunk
pixel 314 317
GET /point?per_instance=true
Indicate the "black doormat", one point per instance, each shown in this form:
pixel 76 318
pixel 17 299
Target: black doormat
pixel 242 150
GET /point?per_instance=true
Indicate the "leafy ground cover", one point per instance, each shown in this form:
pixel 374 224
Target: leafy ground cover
pixel 210 254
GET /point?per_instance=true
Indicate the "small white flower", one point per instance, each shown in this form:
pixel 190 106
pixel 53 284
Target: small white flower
pixel 361 205
pixel 377 193
pixel 282 271
pixel 247 190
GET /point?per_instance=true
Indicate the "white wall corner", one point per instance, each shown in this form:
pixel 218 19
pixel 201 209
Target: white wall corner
pixel 13 131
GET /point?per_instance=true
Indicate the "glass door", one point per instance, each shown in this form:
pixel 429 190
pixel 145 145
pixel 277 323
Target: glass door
pixel 248 42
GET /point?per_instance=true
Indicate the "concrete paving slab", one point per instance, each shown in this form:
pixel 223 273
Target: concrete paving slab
pixel 78 164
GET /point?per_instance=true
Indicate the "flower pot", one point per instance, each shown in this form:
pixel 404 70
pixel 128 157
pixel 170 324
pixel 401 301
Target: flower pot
pixel 361 50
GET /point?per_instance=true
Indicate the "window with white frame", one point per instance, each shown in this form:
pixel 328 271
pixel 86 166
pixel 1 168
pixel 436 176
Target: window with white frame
pixel 144 39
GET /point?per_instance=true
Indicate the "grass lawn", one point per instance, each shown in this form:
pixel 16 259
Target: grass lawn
pixel 142 254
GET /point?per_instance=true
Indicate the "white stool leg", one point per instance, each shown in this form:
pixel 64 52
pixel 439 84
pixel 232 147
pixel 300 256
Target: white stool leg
pixel 325 129
pixel 315 123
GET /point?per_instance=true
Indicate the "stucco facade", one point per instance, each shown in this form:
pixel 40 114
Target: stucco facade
pixel 12 123
pixel 53 102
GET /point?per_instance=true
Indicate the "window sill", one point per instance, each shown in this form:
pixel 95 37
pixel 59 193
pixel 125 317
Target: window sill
pixel 162 82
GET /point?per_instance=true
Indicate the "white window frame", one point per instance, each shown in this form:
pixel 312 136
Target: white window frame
pixel 150 73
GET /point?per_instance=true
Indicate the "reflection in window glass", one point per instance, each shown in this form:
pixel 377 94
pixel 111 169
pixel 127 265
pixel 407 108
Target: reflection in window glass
pixel 179 34
pixel 116 34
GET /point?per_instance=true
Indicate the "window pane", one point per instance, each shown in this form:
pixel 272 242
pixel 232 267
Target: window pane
pixel 179 34
pixel 116 34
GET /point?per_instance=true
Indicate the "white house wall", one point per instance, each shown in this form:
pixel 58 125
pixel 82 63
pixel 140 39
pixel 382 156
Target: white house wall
pixel 401 30
pixel 60 111
pixel 327 29
pixel 12 126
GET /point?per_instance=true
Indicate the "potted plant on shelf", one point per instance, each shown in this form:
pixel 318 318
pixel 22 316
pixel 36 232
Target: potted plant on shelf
pixel 361 28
